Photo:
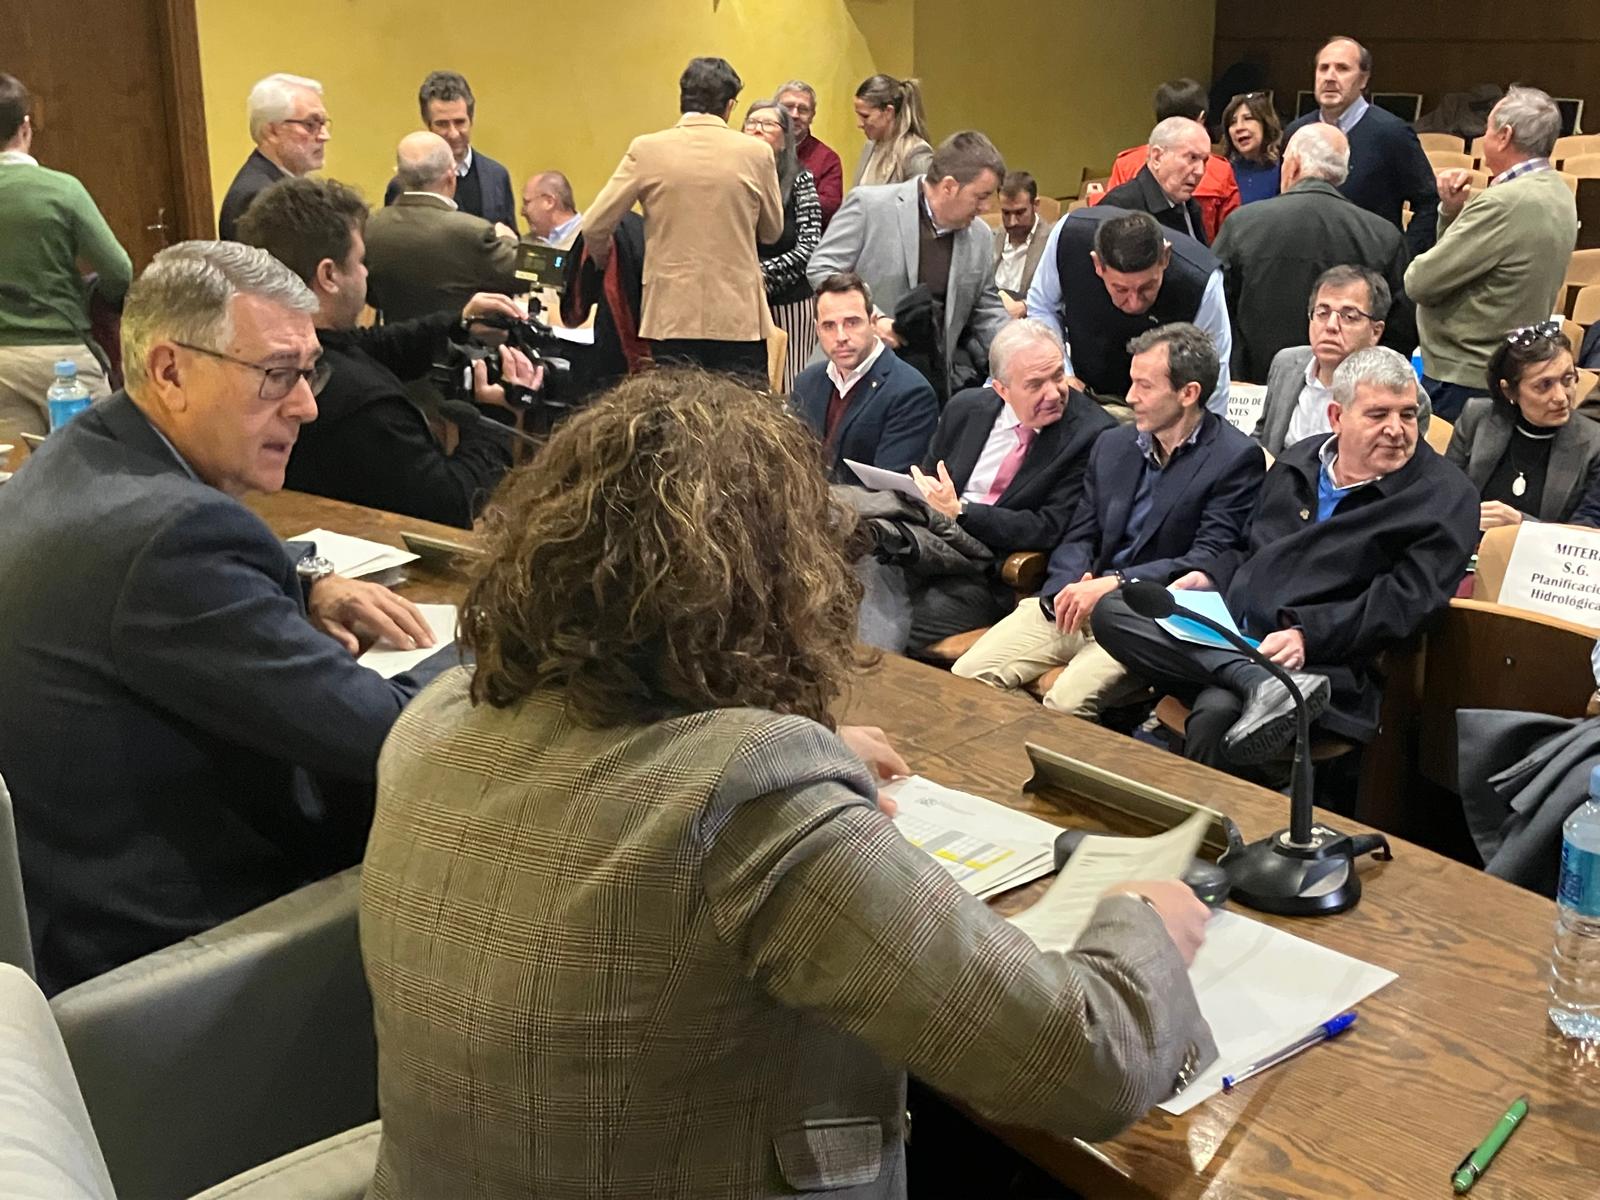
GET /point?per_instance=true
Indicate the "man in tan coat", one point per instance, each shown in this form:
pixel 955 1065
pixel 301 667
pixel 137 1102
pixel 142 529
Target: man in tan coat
pixel 709 194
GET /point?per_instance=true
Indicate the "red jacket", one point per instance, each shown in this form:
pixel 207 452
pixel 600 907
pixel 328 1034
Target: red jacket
pixel 1217 195
pixel 826 169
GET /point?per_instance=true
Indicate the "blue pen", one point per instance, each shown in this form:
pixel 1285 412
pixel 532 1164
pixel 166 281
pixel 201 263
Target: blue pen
pixel 1328 1029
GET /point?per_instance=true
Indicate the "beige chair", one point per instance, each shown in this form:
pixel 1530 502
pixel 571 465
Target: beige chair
pixel 16 944
pixel 1050 208
pixel 777 351
pixel 1447 142
pixel 1573 333
pixel 1477 150
pixel 229 1049
pixel 1570 180
pixel 1444 160
pixel 1439 433
pixel 1586 306
pixel 1480 180
pixel 1574 146
pixel 1583 166
pixel 1582 270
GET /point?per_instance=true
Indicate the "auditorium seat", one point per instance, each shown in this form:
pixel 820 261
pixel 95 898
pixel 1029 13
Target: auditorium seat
pixel 16 945
pixel 777 349
pixel 1584 166
pixel 1574 146
pixel 1582 270
pixel 1439 433
pixel 1444 160
pixel 231 1048
pixel 1450 143
pixel 1586 306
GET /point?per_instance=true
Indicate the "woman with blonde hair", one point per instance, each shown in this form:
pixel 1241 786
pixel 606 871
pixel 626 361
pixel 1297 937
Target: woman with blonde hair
pixel 889 112
pixel 633 922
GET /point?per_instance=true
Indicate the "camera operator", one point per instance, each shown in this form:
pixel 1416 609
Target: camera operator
pixel 370 444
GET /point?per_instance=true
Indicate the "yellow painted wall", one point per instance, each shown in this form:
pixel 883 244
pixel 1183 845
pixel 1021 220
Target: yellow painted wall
pixel 1058 84
pixel 608 72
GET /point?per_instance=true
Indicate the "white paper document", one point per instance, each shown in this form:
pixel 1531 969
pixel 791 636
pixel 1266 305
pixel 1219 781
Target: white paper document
pixel 988 848
pixel 1261 988
pixel 388 661
pixel 354 557
pixel 880 480
pixel 1102 862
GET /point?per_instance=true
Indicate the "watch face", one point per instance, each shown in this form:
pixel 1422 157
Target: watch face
pixel 313 567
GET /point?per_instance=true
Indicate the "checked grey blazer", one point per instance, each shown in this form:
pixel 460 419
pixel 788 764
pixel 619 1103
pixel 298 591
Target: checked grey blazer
pixel 693 959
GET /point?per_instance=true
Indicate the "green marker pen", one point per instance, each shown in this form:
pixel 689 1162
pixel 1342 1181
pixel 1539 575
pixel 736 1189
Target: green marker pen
pixel 1476 1163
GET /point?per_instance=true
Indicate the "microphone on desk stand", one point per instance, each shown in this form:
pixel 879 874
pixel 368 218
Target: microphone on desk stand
pixel 1304 870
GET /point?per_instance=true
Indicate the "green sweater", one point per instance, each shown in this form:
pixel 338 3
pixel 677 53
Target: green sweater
pixel 47 223
pixel 1497 266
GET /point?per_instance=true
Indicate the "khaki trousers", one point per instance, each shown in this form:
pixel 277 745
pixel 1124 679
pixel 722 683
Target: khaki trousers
pixel 1026 644
pixel 26 373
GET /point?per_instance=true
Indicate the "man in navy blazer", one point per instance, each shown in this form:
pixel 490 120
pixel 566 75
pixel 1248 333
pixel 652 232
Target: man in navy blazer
pixel 1007 465
pixel 863 402
pixel 1161 496
pixel 184 728
pixel 483 186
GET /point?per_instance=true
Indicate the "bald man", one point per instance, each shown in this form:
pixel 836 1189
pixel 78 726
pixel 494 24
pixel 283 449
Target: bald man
pixel 550 210
pixel 424 255
pixel 1164 187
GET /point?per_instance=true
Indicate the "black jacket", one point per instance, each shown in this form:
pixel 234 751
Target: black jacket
pixel 1143 194
pixel 1033 511
pixel 888 423
pixel 1387 169
pixel 256 175
pixel 166 703
pixel 371 445
pixel 1272 252
pixel 1390 555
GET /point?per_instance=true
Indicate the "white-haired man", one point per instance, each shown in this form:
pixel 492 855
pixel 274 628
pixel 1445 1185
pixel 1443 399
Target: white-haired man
pixel 1164 187
pixel 1273 251
pixel 1502 253
pixel 1357 538
pixel 185 729
pixel 290 128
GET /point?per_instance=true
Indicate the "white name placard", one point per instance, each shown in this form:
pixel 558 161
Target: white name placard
pixel 1555 569
pixel 1245 402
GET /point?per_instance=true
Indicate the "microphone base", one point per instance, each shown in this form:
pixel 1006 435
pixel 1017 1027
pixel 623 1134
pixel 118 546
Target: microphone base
pixel 1314 880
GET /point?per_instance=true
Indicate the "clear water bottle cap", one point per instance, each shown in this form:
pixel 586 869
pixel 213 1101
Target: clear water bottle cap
pixel 66 370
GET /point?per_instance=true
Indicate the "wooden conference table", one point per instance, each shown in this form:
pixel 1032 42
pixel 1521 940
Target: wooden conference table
pixel 1388 1110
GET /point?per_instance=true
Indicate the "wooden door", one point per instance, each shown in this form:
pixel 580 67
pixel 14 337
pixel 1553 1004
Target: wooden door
pixel 117 103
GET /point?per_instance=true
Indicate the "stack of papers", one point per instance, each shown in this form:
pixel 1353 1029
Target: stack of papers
pixel 1207 604
pixel 389 662
pixel 1259 988
pixel 987 847
pixel 354 557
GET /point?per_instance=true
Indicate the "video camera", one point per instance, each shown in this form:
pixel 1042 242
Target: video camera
pixel 452 373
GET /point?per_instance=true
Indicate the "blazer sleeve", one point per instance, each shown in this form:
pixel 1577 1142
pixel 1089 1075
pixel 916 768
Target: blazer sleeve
pixel 918 160
pixel 615 198
pixel 1226 250
pixel 499 203
pixel 1588 510
pixel 769 210
pixel 989 317
pixel 1468 249
pixel 1459 451
pixel 908 428
pixel 1419 187
pixel 203 628
pixel 1074 556
pixel 1227 510
pixel 830 186
pixel 840 247
pixel 499 258
pixel 831 911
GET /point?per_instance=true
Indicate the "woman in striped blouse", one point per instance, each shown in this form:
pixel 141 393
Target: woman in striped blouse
pixel 783 264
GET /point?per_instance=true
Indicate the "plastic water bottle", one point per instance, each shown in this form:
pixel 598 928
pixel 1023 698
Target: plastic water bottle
pixel 1416 362
pixel 67 397
pixel 1575 963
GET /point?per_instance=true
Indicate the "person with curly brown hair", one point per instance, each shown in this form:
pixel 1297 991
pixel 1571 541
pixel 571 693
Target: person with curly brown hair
pixel 633 921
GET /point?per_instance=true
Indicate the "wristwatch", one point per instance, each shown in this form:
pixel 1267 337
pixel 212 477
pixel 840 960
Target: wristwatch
pixel 312 568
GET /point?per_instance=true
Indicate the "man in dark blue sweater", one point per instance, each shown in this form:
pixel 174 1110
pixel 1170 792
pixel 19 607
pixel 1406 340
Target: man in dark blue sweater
pixel 1387 165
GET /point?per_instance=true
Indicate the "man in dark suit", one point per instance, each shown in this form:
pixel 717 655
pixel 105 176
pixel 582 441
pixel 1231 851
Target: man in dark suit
pixel 290 128
pixel 1007 465
pixel 370 444
pixel 1357 538
pixel 483 186
pixel 1273 251
pixel 1387 165
pixel 184 728
pixel 1164 187
pixel 864 403
pixel 1161 495
pixel 424 255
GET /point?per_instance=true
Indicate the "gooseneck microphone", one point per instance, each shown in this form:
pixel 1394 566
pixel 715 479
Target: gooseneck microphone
pixel 1306 869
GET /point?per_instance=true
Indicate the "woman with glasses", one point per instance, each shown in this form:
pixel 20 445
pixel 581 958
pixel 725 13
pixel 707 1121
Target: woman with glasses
pixel 889 112
pixel 1254 137
pixel 783 263
pixel 1520 446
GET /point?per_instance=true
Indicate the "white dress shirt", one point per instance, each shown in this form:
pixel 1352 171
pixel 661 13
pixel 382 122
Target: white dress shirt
pixel 1014 260
pixel 1002 441
pixel 845 382
pixel 1044 303
pixel 1310 416
pixel 464 165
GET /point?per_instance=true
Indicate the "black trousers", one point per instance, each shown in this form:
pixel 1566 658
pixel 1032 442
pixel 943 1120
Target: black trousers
pixel 953 604
pixel 1211 681
pixel 748 360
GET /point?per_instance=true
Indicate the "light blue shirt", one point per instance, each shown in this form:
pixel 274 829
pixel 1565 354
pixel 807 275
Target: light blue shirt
pixel 1044 304
pixel 1347 119
pixel 563 234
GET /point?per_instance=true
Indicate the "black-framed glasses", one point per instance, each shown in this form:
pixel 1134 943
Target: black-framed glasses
pixel 312 125
pixel 763 123
pixel 1529 334
pixel 1345 316
pixel 276 382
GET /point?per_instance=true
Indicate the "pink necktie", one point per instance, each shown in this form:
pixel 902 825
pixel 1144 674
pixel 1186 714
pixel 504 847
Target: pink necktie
pixel 1010 464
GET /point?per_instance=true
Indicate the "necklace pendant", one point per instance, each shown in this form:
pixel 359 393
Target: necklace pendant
pixel 1519 484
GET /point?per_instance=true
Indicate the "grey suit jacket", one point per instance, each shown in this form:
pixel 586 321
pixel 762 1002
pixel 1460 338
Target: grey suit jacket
pixel 692 958
pixel 1483 433
pixel 1285 378
pixel 1030 264
pixel 425 257
pixel 875 234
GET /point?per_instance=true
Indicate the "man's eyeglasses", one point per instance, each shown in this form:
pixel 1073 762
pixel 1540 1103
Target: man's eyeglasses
pixel 276 382
pixel 1529 334
pixel 764 126
pixel 1344 316
pixel 312 125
